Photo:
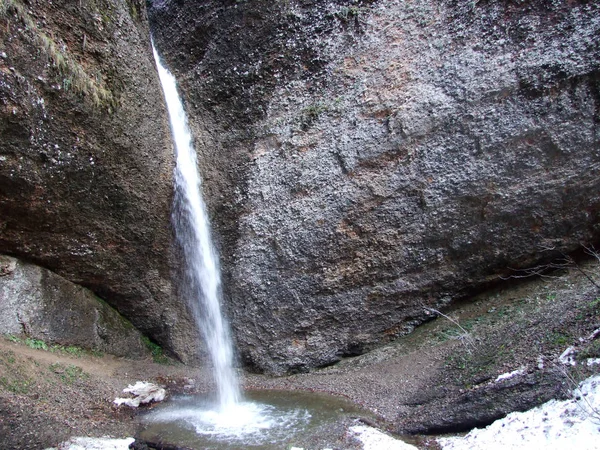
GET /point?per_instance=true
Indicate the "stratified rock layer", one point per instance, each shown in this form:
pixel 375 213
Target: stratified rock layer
pixel 364 160
pixel 86 159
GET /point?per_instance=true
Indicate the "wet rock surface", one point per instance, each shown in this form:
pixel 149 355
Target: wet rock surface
pixel 364 160
pixel 86 159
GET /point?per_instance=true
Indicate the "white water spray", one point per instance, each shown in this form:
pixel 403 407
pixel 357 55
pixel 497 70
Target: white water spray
pixel 203 279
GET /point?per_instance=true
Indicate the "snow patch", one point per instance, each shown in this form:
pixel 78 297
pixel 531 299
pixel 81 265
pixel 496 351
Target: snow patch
pixel 568 357
pixel 143 392
pixel 373 439
pixel 506 376
pixel 87 443
pixel 555 425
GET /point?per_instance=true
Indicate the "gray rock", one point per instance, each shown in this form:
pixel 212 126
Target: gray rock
pixel 480 407
pixel 39 304
pixel 362 162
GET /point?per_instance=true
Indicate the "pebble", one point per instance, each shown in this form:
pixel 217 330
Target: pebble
pixel 3 55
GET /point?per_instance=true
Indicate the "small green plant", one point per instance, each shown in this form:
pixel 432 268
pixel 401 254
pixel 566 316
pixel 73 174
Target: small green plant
pixel 68 374
pixel 13 338
pixel 592 350
pixel 133 10
pixel 311 113
pixel 560 339
pixel 16 386
pixel 36 344
pixel 347 13
pixel 97 353
pixel 74 351
pixel 156 350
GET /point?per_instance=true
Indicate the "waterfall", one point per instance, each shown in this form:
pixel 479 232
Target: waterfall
pixel 192 229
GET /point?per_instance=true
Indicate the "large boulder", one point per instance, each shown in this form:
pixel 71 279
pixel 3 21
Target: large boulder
pixel 39 304
pixel 366 159
pixel 85 157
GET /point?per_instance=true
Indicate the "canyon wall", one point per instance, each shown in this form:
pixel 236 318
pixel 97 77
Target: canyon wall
pixel 86 159
pixel 367 160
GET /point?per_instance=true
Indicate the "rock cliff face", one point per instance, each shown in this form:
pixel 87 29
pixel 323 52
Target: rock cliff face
pixel 365 160
pixel 85 156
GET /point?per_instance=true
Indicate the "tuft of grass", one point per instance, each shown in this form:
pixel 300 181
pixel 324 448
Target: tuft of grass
pixel 74 75
pixel 460 333
pixel 68 374
pixel 38 344
pixel 9 357
pixel 311 114
pixel 16 386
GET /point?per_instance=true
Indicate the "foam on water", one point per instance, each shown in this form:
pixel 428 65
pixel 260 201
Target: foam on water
pixel 247 422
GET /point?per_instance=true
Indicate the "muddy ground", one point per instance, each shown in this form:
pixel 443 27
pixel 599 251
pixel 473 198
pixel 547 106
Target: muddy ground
pixel 441 378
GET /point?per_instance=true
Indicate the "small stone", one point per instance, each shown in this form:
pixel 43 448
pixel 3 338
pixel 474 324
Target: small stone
pixel 3 55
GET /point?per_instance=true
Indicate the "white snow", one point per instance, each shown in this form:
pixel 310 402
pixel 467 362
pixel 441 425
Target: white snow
pixel 143 392
pixel 506 376
pixel 86 443
pixel 373 439
pixel 568 357
pixel 555 425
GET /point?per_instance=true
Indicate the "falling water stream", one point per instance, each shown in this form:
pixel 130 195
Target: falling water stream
pixel 262 419
pixel 202 284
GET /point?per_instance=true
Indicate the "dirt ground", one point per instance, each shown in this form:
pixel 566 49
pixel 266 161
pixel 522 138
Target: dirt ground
pixel 440 378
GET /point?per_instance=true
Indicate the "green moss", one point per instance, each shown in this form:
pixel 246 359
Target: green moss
pixel 122 321
pixel 156 350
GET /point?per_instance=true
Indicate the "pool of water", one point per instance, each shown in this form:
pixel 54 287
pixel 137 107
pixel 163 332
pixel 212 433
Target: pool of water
pixel 265 420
